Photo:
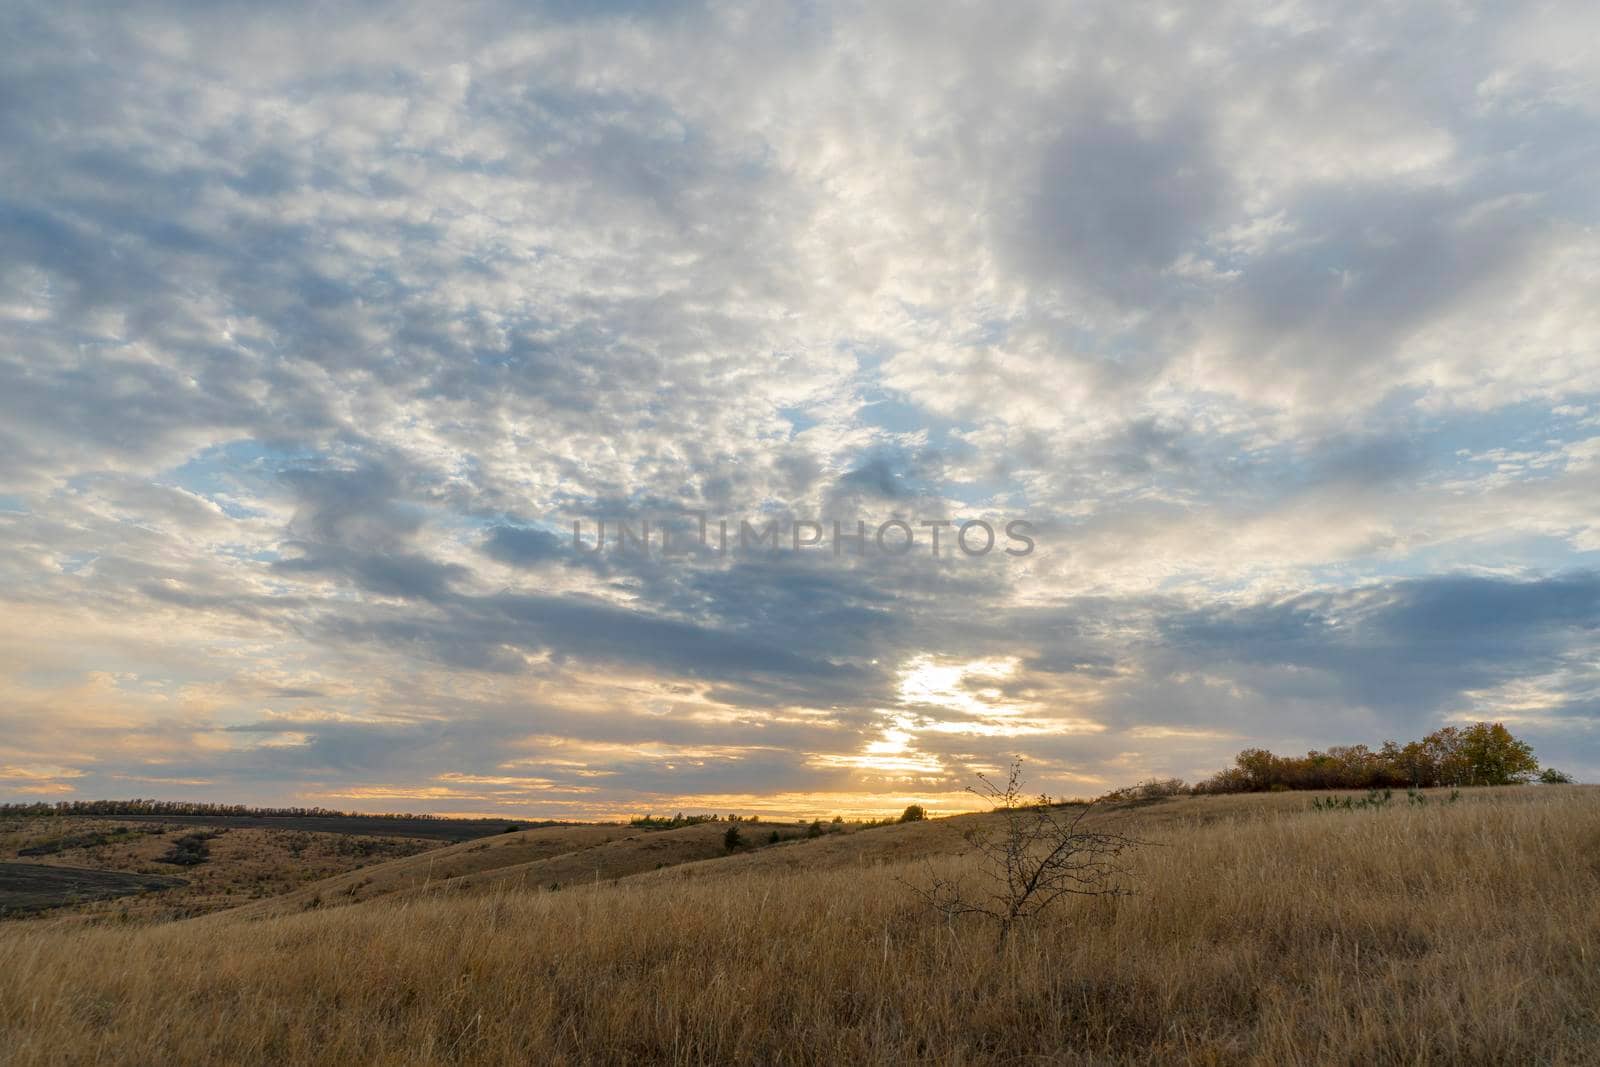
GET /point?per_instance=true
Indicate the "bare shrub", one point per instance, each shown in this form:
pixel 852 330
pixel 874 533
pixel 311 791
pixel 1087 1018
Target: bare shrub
pixel 1039 853
pixel 1150 789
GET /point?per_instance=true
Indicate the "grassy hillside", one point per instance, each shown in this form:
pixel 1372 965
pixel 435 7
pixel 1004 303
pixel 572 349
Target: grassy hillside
pixel 526 860
pixel 240 864
pixel 1263 932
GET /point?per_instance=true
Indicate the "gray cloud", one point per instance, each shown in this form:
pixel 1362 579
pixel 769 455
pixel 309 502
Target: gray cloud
pixel 1112 205
pixel 1409 649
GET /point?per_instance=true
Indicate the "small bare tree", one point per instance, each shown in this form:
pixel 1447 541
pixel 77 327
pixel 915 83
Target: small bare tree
pixel 1038 854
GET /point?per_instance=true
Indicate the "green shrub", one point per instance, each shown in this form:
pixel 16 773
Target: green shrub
pixel 1375 798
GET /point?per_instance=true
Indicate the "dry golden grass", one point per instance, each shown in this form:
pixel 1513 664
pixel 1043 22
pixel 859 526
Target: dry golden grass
pixel 1264 933
pixel 526 860
pixel 455 866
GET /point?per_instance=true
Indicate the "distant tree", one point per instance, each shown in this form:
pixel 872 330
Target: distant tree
pixel 1441 752
pixel 1494 757
pixel 913 813
pixel 732 839
pixel 1551 776
pixel 1259 767
pixel 1410 764
pixel 1353 766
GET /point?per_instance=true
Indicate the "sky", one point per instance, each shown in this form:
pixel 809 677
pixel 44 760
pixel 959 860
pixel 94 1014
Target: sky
pixel 320 326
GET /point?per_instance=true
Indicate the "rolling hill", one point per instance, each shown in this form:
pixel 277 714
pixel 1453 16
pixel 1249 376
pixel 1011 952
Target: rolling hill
pixel 1262 929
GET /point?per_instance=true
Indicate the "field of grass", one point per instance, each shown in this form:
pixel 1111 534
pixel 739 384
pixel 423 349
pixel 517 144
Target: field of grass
pixel 1263 932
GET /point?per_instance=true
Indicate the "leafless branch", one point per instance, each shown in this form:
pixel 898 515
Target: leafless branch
pixel 1038 854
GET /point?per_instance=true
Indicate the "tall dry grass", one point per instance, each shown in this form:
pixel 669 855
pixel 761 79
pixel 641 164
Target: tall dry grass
pixel 1465 933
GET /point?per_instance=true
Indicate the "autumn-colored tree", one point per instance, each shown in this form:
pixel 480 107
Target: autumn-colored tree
pixel 1494 757
pixel 1482 754
pixel 1446 764
pixel 1259 767
pixel 1355 766
pixel 1410 764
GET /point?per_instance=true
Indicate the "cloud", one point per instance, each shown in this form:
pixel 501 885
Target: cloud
pixel 524 546
pixel 1112 205
pixel 318 333
pixel 1411 650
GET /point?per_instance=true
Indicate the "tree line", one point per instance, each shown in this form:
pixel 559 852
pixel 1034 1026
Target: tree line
pixel 1481 754
pixel 139 806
